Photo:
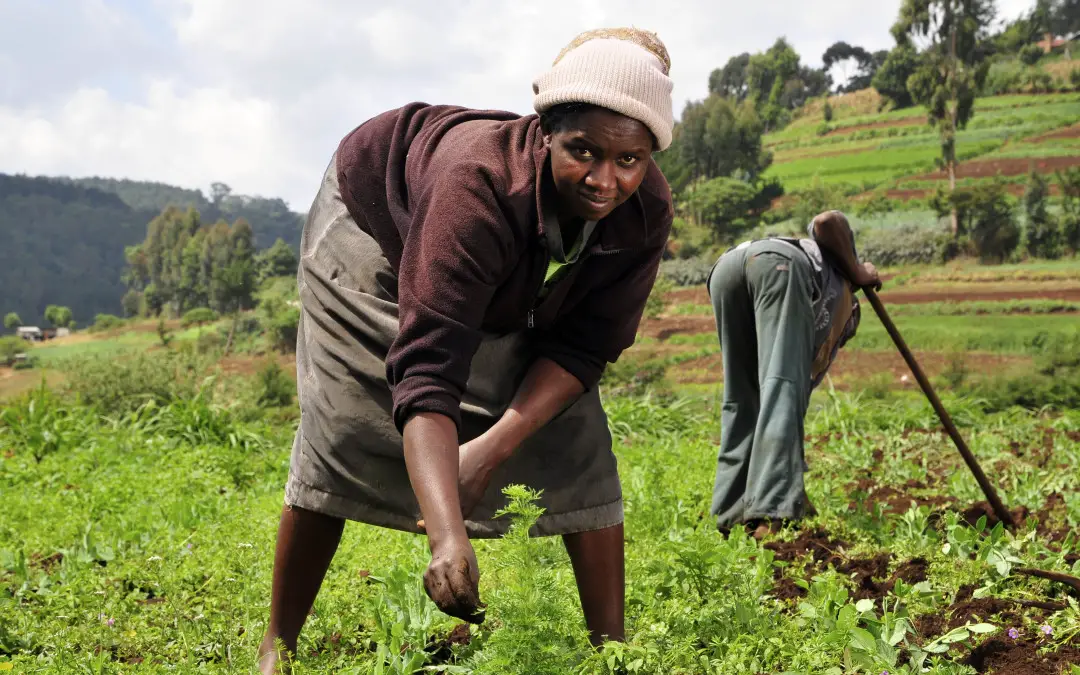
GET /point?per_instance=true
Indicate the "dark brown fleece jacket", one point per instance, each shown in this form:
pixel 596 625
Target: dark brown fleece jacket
pixel 452 195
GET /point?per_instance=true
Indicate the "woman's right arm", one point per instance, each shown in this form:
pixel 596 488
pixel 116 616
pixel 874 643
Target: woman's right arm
pixel 431 457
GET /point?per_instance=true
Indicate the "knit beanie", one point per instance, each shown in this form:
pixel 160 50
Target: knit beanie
pixel 621 69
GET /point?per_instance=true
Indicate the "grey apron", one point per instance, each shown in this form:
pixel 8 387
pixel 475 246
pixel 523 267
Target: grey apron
pixel 347 458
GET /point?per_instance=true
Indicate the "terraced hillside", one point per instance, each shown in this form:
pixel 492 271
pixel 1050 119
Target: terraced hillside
pixel 897 151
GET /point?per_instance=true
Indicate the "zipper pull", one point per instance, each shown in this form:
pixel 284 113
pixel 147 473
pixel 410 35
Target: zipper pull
pixel 531 322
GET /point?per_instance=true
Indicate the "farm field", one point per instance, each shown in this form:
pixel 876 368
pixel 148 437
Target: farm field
pixel 140 538
pixel 896 151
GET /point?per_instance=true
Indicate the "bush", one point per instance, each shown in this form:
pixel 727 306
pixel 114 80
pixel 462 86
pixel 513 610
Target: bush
pixel 992 222
pixel 827 111
pixel 119 385
pixel 1055 384
pixel 689 272
pixel 1074 78
pixel 10 347
pixel 104 322
pixel 1042 236
pixel 198 317
pixel 878 203
pixel 817 198
pixel 654 305
pixel 209 343
pixel 905 245
pixel 1069 182
pixel 1030 54
pixel 276 389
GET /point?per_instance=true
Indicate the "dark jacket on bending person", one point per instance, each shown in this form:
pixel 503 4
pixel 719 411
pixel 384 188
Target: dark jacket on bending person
pixel 452 195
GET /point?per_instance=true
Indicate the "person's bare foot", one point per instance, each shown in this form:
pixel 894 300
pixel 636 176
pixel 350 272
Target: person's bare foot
pixel 273 661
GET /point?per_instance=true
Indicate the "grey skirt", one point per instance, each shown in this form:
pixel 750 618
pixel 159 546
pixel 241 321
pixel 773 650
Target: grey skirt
pixel 347 457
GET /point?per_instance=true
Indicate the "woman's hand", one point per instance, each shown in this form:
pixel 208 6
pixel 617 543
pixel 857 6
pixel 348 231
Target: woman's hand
pixel 477 460
pixel 452 579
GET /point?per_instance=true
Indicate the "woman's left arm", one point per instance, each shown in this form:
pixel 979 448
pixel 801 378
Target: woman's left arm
pixel 545 392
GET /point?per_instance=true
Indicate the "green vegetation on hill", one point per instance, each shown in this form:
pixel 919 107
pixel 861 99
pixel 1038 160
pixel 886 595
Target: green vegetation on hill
pixel 62 241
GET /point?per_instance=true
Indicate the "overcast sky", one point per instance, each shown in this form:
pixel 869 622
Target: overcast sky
pixel 256 94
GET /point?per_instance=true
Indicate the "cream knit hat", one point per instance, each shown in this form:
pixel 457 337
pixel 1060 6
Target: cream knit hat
pixel 622 69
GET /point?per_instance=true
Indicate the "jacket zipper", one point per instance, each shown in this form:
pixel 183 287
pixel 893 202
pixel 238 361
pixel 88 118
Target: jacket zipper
pixel 588 253
pixel 544 260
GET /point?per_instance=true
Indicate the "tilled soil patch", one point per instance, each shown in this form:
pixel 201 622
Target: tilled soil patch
pixel 1002 655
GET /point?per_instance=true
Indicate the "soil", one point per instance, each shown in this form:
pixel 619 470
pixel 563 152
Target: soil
pixel 894 500
pixel 870 575
pixel 1067 132
pixel 1014 166
pixel 441 649
pixel 817 543
pixel 1002 655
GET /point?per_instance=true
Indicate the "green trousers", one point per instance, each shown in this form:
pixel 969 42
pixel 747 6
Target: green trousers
pixel 762 297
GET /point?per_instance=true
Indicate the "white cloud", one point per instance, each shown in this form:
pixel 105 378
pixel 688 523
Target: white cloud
pixel 257 94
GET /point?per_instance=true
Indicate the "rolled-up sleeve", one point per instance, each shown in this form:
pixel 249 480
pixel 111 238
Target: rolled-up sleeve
pixel 458 251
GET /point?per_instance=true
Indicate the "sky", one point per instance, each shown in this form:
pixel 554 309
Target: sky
pixel 257 94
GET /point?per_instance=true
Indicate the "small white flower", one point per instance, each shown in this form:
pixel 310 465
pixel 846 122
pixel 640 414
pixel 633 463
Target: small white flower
pixel 154 558
pixel 243 545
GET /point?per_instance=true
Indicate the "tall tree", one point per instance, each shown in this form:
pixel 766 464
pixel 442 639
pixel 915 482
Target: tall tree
pixel 731 80
pixel 954 68
pixel 716 137
pixel 12 321
pixel 277 261
pixel 59 316
pixel 891 79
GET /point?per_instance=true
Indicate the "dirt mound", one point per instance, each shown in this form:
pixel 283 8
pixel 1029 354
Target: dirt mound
pixel 973 513
pixel 817 543
pixel 894 500
pixel 441 649
pixel 1012 166
pixel 1002 655
pixel 1067 132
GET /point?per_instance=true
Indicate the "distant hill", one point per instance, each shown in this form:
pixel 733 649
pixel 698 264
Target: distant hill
pixel 62 240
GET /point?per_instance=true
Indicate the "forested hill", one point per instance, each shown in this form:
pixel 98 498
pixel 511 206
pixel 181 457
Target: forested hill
pixel 62 240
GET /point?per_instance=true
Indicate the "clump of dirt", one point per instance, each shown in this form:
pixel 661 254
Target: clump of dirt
pixel 817 543
pixel 48 563
pixel 786 589
pixel 442 650
pixel 894 500
pixel 1002 655
pixel 977 510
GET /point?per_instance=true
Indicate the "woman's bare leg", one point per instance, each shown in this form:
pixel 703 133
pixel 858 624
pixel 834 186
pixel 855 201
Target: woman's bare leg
pixel 306 544
pixel 597 558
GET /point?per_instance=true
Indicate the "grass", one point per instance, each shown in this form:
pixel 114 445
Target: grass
pixel 144 542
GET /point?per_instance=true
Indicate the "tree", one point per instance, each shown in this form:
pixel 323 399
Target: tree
pixel 218 193
pixel 12 321
pixel 857 65
pixel 892 77
pixel 1069 182
pixel 59 316
pixel 277 261
pixel 723 204
pixel 716 137
pixel 731 80
pixel 954 69
pixel 1042 234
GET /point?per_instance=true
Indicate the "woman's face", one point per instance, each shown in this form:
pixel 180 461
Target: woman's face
pixel 598 159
